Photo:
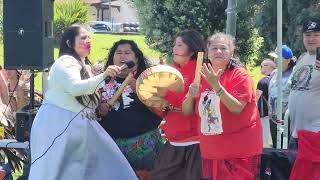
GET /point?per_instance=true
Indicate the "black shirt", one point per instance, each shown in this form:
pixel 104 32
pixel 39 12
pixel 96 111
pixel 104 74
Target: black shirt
pixel 129 117
pixel 263 100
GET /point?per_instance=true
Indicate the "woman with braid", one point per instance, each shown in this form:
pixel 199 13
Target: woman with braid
pixel 67 142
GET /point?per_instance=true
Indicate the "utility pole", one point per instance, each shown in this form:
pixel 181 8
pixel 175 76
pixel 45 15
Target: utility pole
pixel 281 142
pixel 231 17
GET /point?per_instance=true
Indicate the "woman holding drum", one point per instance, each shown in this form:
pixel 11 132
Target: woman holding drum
pixel 180 157
pixel 230 129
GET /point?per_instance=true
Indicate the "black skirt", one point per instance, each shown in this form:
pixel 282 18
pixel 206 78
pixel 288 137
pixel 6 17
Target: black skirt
pixel 178 163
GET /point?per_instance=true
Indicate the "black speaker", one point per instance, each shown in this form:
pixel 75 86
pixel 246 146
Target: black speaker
pixel 276 164
pixel 24 121
pixel 28 34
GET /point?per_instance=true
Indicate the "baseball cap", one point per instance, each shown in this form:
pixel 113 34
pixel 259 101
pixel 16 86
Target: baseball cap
pixel 286 52
pixel 311 25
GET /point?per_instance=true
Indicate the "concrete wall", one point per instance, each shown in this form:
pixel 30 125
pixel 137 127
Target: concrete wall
pixel 127 13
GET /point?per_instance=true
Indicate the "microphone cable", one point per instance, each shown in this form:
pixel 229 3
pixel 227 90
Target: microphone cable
pixel 129 65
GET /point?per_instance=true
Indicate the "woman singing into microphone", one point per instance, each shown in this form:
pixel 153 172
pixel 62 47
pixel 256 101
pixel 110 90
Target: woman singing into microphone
pixel 129 122
pixel 66 140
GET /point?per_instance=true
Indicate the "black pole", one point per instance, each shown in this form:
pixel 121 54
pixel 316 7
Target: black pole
pixel 32 90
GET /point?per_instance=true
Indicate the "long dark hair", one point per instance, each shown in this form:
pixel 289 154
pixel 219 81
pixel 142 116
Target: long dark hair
pixel 142 61
pixel 194 40
pixel 67 48
pixel 291 65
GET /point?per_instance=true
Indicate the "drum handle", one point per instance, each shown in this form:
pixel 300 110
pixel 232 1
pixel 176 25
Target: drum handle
pixel 120 90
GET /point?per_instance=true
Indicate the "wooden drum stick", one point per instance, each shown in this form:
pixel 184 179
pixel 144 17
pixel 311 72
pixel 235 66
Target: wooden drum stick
pixel 121 89
pixel 198 68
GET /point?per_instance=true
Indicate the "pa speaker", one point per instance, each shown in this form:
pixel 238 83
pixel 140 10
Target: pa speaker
pixel 28 34
pixel 24 121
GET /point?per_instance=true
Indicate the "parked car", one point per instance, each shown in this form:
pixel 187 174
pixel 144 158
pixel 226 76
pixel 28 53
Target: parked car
pixel 131 27
pixel 104 26
pixel 99 26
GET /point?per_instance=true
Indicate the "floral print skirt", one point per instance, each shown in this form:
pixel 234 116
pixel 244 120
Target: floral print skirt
pixel 141 151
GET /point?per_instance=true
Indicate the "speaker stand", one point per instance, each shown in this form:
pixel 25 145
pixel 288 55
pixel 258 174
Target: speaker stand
pixel 32 90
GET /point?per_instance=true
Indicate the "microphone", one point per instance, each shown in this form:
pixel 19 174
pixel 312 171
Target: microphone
pixel 128 65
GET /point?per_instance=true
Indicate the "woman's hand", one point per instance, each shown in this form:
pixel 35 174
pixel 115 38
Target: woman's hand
pixel 211 76
pixel 102 109
pixel 112 71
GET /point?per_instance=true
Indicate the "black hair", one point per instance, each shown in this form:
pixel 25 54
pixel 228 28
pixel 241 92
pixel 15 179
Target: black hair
pixel 291 64
pixel 142 61
pixel 194 40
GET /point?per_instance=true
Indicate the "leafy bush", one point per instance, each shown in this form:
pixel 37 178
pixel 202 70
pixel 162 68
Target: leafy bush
pixel 68 13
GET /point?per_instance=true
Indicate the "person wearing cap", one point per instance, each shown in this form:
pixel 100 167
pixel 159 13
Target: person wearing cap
pixel 287 67
pixel 267 66
pixel 304 103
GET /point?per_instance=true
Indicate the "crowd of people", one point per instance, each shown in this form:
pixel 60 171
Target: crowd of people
pixel 214 129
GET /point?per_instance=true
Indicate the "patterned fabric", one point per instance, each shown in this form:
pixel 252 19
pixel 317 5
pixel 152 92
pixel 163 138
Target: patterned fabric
pixel 303 99
pixel 141 151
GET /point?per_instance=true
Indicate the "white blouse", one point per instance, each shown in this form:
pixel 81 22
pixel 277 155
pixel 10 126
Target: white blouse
pixel 64 84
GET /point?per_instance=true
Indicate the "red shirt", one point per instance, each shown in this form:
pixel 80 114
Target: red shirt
pixel 241 134
pixel 178 126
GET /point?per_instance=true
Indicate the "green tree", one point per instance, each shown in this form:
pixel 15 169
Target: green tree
pixel 161 20
pixel 249 42
pixel 294 13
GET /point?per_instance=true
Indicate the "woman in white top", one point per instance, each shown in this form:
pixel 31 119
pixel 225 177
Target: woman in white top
pixel 67 142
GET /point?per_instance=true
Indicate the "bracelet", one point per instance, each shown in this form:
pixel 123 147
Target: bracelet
pixel 219 92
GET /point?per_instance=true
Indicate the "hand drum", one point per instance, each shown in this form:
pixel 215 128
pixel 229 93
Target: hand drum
pixel 158 76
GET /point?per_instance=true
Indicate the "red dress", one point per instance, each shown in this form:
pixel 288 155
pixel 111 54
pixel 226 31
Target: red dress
pixel 230 143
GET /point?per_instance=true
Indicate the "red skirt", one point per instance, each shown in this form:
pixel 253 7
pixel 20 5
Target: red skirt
pixel 307 164
pixel 232 169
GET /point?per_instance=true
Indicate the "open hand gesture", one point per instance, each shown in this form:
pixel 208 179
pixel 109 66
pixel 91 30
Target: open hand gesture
pixel 210 75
